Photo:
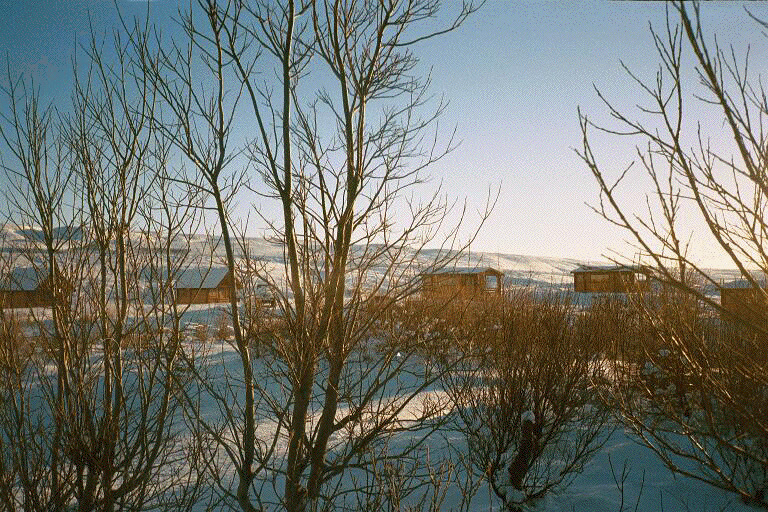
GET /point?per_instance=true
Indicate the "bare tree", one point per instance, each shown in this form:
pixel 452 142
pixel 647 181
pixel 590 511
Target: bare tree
pixel 720 435
pixel 35 167
pixel 345 160
pixel 102 429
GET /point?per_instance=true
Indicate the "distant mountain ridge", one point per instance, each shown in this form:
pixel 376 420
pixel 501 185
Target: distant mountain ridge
pixel 519 270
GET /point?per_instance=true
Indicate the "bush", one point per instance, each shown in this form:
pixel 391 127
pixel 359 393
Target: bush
pixel 698 399
pixel 527 403
pixel 15 347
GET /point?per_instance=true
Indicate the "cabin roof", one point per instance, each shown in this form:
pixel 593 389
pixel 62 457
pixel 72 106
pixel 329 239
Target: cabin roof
pixel 22 279
pixel 742 284
pixel 607 268
pixel 465 270
pixel 61 233
pixel 201 277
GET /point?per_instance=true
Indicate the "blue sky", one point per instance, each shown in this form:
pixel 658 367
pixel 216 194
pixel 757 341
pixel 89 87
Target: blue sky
pixel 514 75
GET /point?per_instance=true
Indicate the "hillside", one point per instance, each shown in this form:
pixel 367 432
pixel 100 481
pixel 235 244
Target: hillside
pixel 519 270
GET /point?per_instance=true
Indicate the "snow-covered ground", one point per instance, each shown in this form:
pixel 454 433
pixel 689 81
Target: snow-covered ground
pixel 623 476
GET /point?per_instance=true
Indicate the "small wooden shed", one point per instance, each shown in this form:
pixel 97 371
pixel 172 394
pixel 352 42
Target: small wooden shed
pixel 742 301
pixel 202 285
pixel 29 287
pixel 259 294
pixel 610 279
pixel 463 281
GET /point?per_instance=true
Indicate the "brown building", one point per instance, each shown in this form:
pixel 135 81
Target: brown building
pixel 609 279
pixel 742 301
pixel 463 281
pixel 28 287
pixel 204 285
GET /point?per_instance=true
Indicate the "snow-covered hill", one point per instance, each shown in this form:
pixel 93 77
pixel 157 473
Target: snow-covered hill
pixel 622 476
pixel 519 270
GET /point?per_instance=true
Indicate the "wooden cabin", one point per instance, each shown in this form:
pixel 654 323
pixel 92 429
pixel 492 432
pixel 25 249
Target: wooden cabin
pixel 610 279
pixel 463 282
pixel 29 287
pixel 261 295
pixel 743 302
pixel 204 285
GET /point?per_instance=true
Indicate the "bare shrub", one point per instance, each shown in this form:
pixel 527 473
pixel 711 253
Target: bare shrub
pixel 698 396
pixel 406 484
pixel 699 399
pixel 15 347
pixel 526 402
pixel 201 332
pixel 223 326
pixel 92 421
pixel 609 326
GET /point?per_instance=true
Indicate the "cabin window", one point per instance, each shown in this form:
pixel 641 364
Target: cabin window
pixel 491 282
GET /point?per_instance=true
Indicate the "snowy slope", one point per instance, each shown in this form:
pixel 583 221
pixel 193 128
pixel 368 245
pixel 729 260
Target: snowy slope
pixel 518 269
pixel 648 487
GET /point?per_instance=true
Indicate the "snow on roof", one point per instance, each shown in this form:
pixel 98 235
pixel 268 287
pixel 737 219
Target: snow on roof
pixel 465 270
pixel 607 268
pixel 22 278
pixel 59 233
pixel 201 277
pixel 743 284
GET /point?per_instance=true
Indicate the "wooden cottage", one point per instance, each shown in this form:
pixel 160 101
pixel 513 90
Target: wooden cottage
pixel 743 302
pixel 28 287
pixel 463 282
pixel 262 295
pixel 610 279
pixel 204 285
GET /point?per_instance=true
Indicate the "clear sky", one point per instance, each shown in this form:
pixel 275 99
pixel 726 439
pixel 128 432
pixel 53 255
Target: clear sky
pixel 514 74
